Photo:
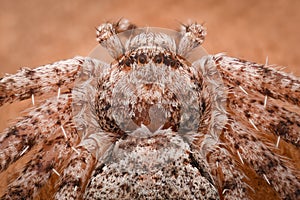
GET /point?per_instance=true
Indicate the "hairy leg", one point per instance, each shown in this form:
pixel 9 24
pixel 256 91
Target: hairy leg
pixel 255 77
pixel 39 124
pixel 267 115
pixel 45 163
pixel 227 174
pixel 76 175
pixel 44 80
pixel 245 143
pixel 81 164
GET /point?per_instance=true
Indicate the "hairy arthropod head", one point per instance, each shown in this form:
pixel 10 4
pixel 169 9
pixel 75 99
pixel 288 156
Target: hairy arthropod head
pixel 152 84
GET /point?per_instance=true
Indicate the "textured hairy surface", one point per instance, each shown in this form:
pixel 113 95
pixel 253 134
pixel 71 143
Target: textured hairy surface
pixel 157 122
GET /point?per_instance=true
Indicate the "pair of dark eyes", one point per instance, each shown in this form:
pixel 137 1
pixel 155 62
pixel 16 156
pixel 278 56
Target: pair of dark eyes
pixel 142 59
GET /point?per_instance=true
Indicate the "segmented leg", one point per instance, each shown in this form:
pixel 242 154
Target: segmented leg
pixel 34 128
pixel 193 35
pixel 76 175
pixel 81 165
pixel 44 164
pixel 253 97
pixel 252 76
pixel 227 174
pixel 266 115
pixel 49 79
pixel 107 36
pixel 267 164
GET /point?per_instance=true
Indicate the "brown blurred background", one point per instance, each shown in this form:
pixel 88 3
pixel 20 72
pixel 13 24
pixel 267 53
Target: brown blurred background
pixel 35 32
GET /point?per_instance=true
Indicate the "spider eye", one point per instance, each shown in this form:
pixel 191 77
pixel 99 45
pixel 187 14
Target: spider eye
pixel 142 58
pixel 158 59
pixel 127 62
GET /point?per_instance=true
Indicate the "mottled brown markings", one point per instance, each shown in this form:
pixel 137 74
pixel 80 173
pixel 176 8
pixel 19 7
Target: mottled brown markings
pixel 261 152
pixel 223 172
pixel 82 163
pixel 40 167
pixel 105 122
pixel 282 128
pixel 28 124
pixel 15 134
pixel 261 102
pixel 266 86
pixel 56 76
pixel 144 181
pixel 259 114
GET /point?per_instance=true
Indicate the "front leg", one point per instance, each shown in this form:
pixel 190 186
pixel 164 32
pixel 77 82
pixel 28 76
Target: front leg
pixel 249 76
pixel 34 128
pixel 48 79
